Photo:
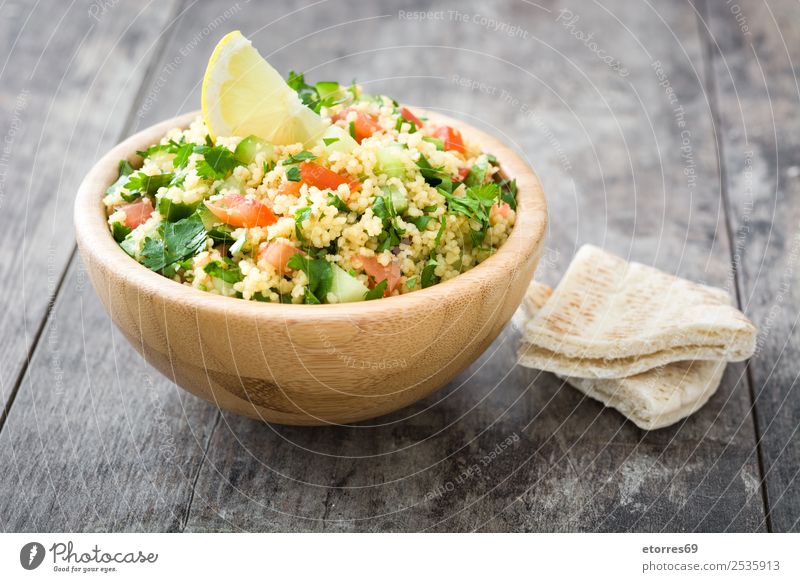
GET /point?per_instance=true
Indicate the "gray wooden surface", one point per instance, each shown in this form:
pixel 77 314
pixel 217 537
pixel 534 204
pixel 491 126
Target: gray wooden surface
pixel 669 136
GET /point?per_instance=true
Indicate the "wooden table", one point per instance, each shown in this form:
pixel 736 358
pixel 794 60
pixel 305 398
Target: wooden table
pixel 666 132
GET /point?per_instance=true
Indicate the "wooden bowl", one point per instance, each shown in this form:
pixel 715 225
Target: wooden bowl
pixel 309 364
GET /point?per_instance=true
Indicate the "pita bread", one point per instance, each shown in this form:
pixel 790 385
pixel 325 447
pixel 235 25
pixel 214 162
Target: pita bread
pixel 654 399
pixel 611 319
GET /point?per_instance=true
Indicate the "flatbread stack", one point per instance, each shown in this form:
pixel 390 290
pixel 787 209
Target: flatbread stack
pixel 651 345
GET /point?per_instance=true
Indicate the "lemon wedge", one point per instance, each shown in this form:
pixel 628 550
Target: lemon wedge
pixel 244 95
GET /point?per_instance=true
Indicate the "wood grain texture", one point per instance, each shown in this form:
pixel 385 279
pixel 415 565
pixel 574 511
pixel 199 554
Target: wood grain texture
pixel 755 53
pixel 607 148
pixel 68 83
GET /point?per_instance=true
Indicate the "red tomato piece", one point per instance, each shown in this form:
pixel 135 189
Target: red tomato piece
pixel 290 188
pixel 462 175
pixel 365 124
pixel 236 210
pixel 277 253
pixel 408 116
pixel 138 212
pixel 323 178
pixel 451 137
pixel 378 273
pixel 501 208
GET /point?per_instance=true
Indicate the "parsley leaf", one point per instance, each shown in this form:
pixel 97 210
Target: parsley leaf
pixel 319 273
pixel 410 282
pixel 176 242
pixel 334 200
pixel 119 231
pixel 300 215
pixel 428 276
pixel 377 291
pixel 477 173
pixel 508 192
pixel 227 271
pixel 433 176
pixel 125 168
pixel 293 174
pixel 140 184
pixel 329 140
pixel 299 157
pixel 217 162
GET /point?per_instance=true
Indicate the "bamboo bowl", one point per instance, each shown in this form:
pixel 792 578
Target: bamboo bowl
pixel 309 364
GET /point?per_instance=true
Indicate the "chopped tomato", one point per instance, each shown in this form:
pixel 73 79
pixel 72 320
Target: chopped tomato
pixel 408 116
pixel 501 208
pixel 236 210
pixel 451 137
pixel 277 253
pixel 462 175
pixel 322 178
pixel 290 188
pixel 138 212
pixel 378 273
pixel 365 124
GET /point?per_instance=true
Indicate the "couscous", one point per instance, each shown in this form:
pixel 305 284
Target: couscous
pixel 385 203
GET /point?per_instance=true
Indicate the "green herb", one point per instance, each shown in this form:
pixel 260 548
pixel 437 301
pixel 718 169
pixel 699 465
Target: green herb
pixel 227 271
pixel 319 273
pixel 352 128
pixel 421 222
pixel 334 200
pixel 268 167
pixel 293 174
pixel 140 184
pixel 176 242
pixel 182 155
pixel 329 140
pixel 435 141
pixel 477 173
pixel 430 208
pixel 377 291
pixel 433 176
pixel 209 141
pixel 428 276
pixel 300 215
pixel 383 208
pixel 410 282
pixel 475 204
pixel 508 192
pixel 125 168
pixel 299 157
pixel 217 162
pixel 315 97
pixel 119 231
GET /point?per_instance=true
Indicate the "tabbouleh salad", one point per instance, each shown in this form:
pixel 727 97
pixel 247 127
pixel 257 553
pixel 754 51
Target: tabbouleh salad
pixel 385 203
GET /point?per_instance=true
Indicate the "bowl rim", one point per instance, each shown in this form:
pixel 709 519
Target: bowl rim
pixel 97 245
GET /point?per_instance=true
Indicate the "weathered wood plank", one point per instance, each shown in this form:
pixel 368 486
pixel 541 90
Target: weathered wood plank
pixel 69 76
pixel 607 146
pixel 755 48
pixel 77 455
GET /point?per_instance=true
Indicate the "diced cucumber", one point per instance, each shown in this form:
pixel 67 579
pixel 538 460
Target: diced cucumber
pixel 174 211
pixel 217 230
pixel 391 161
pixel 248 148
pixel 346 287
pixel 230 183
pixel 399 199
pixel 332 90
pixel 344 143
